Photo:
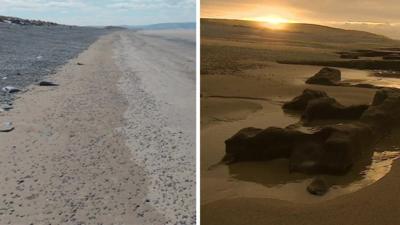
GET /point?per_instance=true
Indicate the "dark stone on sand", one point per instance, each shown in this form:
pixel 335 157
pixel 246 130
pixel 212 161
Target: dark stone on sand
pixel 329 108
pixel 318 187
pixel 384 113
pixel 300 102
pixel 332 150
pixel 318 105
pixel 47 83
pixel 252 144
pixel 326 76
pixel 80 64
pixel 380 97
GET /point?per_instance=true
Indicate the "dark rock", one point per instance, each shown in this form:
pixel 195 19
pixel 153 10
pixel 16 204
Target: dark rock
pixel 306 156
pixel 318 105
pixel 300 102
pixel 318 187
pixel 344 145
pixel 47 83
pixel 329 108
pixel 384 112
pixel 252 144
pixel 379 97
pixel 80 64
pixel 333 149
pixel 326 76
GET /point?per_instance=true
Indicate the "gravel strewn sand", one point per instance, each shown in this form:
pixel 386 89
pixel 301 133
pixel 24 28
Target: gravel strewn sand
pixel 29 53
pixel 159 82
pixel 75 154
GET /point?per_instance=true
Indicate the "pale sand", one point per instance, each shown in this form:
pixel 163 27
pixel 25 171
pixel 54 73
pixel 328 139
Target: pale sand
pixel 102 148
pixel 264 193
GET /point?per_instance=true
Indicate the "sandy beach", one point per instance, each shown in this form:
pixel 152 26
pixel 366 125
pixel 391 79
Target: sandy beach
pixel 106 146
pixel 243 86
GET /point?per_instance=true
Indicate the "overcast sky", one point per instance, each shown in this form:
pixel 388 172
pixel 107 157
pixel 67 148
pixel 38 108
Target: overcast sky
pixel 379 16
pixel 102 12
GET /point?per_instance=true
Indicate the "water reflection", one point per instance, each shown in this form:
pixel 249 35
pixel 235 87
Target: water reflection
pixel 374 77
pixel 279 183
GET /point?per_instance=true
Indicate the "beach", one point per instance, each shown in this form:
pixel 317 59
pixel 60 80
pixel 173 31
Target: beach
pixel 243 85
pixel 105 146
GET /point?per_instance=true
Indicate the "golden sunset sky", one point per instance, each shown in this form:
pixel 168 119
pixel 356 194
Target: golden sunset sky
pixel 377 16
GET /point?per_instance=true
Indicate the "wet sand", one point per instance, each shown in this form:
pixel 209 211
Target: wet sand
pixel 85 152
pixel 264 192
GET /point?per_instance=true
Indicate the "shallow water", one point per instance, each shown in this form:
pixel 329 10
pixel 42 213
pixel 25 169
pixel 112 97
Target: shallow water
pixel 367 77
pixel 273 180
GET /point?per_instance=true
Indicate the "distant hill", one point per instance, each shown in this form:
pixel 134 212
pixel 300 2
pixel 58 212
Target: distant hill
pixel 293 33
pixel 164 26
pixel 19 21
pixel 228 46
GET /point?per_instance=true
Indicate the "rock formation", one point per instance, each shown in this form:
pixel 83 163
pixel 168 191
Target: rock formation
pixel 300 102
pixel 331 150
pixel 314 104
pixel 326 76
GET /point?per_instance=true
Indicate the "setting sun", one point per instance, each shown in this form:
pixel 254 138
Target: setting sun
pixel 273 20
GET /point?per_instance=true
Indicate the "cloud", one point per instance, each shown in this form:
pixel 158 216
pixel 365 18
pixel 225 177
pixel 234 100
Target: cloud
pixel 343 10
pixel 151 4
pixel 102 12
pixel 40 4
pixel 78 4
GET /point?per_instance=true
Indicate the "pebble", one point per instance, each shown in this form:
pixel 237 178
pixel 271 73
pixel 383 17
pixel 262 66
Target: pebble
pixel 10 89
pixel 6 107
pixel 6 127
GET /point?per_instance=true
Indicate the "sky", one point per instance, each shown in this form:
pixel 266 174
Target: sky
pixel 102 12
pixel 378 16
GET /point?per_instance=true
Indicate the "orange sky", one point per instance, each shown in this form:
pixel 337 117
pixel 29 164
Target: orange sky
pixel 378 16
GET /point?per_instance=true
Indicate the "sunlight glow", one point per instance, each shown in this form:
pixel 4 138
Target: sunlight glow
pixel 273 22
